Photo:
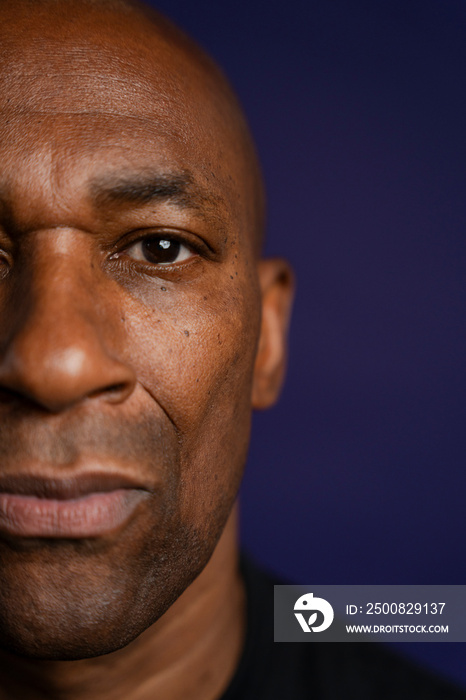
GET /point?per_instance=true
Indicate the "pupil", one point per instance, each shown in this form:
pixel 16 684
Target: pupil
pixel 160 250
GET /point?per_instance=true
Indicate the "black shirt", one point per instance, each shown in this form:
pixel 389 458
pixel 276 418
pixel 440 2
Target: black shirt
pixel 293 671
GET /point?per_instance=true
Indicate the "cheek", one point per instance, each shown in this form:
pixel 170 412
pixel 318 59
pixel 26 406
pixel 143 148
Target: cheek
pixel 195 358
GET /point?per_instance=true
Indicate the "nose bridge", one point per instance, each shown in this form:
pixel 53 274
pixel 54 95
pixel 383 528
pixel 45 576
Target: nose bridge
pixel 53 298
pixel 58 328
pixel 58 289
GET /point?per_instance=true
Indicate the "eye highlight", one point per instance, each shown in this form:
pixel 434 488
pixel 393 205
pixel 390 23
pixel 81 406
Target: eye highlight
pixel 159 250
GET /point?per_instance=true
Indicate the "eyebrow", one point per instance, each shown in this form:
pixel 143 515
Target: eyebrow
pixel 146 188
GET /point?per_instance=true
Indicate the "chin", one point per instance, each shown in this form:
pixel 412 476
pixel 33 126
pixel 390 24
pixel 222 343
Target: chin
pixel 56 648
pixel 69 627
pixel 59 603
pixel 73 625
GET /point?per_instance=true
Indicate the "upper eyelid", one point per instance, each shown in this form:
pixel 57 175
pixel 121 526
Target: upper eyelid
pixel 138 236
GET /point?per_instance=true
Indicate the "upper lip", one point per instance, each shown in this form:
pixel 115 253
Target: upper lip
pixel 64 488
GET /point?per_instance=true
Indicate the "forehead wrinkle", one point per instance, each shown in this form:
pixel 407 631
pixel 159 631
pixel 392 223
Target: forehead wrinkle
pixel 75 97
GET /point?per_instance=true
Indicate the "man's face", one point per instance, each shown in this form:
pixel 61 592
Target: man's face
pixel 129 321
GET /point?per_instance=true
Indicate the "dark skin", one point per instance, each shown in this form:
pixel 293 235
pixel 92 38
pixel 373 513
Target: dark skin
pixel 139 327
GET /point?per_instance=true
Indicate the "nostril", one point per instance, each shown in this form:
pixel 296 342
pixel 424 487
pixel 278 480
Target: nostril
pixel 10 397
pixel 14 396
pixel 7 394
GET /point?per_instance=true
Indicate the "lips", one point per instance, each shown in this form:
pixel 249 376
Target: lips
pixel 88 505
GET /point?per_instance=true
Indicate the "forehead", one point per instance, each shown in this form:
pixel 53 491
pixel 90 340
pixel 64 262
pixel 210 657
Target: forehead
pixel 121 98
pixel 59 60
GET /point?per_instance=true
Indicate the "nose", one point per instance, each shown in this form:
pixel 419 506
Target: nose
pixel 59 340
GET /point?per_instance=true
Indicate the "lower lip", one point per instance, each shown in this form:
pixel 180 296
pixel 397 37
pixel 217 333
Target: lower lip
pixel 93 515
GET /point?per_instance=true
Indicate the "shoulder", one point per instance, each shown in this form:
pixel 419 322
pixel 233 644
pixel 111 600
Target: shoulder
pixel 367 670
pixel 363 671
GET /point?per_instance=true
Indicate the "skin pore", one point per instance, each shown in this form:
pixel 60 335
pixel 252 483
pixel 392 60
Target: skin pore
pixel 139 327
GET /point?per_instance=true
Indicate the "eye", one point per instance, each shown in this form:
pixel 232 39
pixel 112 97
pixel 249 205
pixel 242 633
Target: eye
pixel 159 250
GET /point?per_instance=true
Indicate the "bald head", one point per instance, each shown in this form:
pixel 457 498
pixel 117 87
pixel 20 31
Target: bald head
pixel 120 58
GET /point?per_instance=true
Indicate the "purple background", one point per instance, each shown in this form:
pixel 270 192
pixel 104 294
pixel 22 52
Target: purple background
pixel 359 112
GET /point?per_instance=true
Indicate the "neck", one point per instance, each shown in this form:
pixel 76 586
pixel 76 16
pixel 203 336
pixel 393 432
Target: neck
pixel 192 650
